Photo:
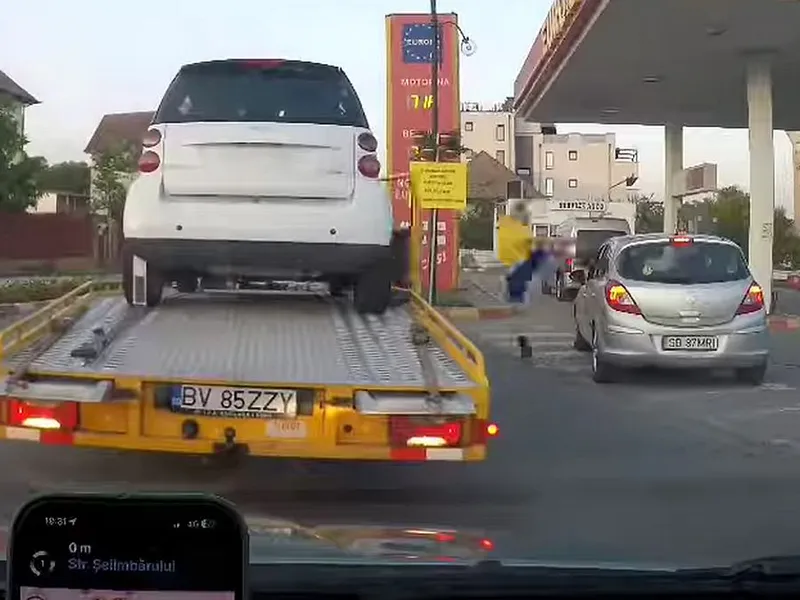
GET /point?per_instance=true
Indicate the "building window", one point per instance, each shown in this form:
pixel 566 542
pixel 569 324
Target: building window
pixel 500 133
pixel 548 186
pixel 541 231
pixel 573 155
pixel 573 183
pixel 468 126
pixel 500 155
pixel 549 160
pixel 469 154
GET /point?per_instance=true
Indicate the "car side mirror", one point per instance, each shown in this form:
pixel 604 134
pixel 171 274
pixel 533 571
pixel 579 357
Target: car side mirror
pixel 578 276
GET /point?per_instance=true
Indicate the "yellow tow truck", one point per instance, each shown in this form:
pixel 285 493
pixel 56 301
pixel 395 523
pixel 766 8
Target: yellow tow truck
pixel 278 374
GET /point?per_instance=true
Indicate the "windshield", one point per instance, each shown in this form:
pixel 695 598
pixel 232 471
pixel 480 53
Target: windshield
pixel 588 241
pixel 282 253
pixel 695 263
pixel 261 91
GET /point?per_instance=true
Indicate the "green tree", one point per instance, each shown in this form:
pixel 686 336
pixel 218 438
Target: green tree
pixel 72 176
pixel 649 215
pixel 19 173
pixel 477 225
pixel 112 172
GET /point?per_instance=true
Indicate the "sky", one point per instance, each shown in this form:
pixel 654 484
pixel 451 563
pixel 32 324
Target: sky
pixel 86 58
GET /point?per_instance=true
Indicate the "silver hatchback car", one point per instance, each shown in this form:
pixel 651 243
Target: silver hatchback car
pixel 680 301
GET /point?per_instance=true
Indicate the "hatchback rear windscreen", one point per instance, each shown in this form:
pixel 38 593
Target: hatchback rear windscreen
pixel 588 241
pixel 261 91
pixel 693 263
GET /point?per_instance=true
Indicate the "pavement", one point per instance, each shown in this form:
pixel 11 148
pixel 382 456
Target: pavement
pixel 657 468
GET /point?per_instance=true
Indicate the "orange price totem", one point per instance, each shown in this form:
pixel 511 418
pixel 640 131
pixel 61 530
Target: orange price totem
pixel 409 55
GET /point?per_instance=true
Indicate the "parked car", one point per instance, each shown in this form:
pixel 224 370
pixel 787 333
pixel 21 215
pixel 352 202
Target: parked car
pixel 671 301
pixel 261 169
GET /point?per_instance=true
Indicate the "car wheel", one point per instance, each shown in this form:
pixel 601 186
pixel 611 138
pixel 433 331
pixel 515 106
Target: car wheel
pixel 580 344
pixel 752 375
pixel 155 282
pixel 602 372
pixel 559 288
pixel 372 292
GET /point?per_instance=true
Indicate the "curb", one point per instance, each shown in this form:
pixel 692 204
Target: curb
pixel 464 313
pixel 783 323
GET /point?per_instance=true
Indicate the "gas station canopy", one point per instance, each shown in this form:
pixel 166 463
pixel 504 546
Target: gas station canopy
pixel 651 62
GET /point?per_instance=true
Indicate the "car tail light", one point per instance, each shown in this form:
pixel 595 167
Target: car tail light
pixel 753 300
pixel 369 166
pixel 149 162
pixel 424 432
pixel 55 415
pixel 263 63
pixel 618 298
pixel 680 240
pixel 570 263
pixel 151 138
pixel 367 142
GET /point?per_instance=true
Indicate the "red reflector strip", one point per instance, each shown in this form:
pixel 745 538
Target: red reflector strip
pixel 425 454
pixel 408 454
pixel 57 437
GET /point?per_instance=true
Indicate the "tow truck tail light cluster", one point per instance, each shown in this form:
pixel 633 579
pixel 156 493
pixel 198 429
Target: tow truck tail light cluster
pixel 150 161
pixel 368 164
pixel 619 299
pixel 425 432
pixel 753 300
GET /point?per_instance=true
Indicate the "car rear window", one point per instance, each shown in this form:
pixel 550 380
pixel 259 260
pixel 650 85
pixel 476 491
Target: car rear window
pixel 261 91
pixel 588 241
pixel 696 262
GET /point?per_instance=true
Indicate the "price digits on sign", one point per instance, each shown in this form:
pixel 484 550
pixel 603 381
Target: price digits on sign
pixel 417 102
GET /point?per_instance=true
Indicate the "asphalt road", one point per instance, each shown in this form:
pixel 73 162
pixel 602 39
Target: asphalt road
pixel 656 469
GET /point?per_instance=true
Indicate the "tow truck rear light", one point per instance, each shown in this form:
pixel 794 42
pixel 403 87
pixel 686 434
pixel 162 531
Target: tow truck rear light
pixel 369 166
pixel 151 138
pixel 483 430
pixel 149 162
pixel 424 432
pixel 367 142
pixel 753 300
pixel 43 415
pixel 619 299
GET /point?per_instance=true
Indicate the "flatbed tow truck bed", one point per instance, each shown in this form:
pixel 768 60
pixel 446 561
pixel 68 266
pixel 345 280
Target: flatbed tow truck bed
pixel 292 374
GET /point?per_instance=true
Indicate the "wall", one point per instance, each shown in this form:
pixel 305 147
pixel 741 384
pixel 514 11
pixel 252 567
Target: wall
pixel 481 130
pixel 46 241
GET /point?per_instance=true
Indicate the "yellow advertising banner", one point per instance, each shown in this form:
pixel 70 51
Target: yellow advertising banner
pixel 438 185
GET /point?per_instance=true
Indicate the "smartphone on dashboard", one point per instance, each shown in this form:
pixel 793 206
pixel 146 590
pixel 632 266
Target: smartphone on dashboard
pixel 127 547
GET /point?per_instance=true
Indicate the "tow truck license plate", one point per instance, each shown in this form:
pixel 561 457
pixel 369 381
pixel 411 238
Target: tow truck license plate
pixel 218 401
pixel 697 343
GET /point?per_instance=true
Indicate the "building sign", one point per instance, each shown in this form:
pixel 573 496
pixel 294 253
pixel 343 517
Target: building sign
pixel 409 54
pixel 558 21
pixel 582 205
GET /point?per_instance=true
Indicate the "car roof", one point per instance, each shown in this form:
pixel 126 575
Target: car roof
pixel 629 240
pixel 222 61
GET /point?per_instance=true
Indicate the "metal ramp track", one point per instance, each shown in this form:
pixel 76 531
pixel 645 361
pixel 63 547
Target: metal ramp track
pixel 248 337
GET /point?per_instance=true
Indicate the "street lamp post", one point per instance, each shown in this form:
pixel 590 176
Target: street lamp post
pixel 434 220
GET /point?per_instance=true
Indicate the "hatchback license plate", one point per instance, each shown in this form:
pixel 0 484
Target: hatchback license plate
pixel 236 402
pixel 696 343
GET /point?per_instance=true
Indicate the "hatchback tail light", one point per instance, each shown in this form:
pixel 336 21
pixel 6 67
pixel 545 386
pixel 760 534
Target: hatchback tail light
pixel 149 162
pixel 425 432
pixel 618 298
pixel 367 142
pixel 369 166
pixel 151 138
pixel 570 264
pixel 753 300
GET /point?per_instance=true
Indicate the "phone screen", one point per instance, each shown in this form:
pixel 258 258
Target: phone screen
pixel 127 548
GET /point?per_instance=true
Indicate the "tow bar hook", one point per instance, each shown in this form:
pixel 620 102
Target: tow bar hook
pixel 230 445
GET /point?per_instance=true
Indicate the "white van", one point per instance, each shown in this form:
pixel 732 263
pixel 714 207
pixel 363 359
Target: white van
pixel 582 238
pixel 261 169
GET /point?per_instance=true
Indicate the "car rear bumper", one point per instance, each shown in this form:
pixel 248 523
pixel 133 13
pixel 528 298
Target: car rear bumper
pixel 746 347
pixel 267 259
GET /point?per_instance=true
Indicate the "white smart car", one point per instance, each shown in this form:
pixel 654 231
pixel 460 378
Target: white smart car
pixel 261 169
